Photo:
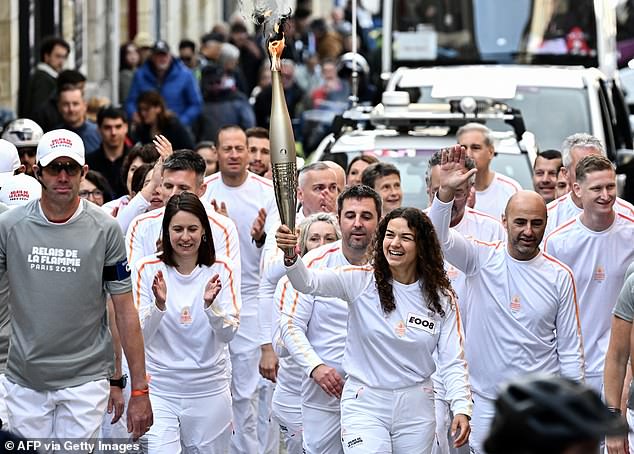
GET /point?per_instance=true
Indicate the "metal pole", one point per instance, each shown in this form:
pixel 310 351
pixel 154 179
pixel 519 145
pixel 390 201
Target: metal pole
pixel 354 98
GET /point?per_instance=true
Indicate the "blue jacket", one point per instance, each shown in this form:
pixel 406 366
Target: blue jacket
pixel 179 90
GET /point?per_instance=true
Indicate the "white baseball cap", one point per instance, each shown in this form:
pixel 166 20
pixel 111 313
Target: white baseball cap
pixel 20 189
pixel 9 160
pixel 60 143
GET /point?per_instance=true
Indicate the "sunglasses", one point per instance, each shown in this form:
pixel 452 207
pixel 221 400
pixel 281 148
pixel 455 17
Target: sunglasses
pixel 71 168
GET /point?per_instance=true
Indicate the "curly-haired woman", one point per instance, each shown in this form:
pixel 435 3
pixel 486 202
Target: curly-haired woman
pixel 401 311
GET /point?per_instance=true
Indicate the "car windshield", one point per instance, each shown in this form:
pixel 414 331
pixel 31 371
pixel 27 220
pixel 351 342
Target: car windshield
pixel 412 164
pixel 487 31
pixel 550 126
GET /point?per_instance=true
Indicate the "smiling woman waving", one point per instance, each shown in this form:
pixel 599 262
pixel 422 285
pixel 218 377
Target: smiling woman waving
pixel 401 311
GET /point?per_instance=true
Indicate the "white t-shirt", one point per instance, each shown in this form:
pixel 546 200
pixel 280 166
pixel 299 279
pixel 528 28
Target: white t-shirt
pixel 562 209
pixel 314 328
pixel 243 203
pixel 493 199
pixel 599 261
pixel 522 314
pixel 396 350
pixel 186 345
pixel 483 227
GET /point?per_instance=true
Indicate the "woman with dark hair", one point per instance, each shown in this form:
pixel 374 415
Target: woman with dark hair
pixel 129 60
pixel 189 309
pixel 156 119
pixel 95 188
pixel 356 168
pixel 402 315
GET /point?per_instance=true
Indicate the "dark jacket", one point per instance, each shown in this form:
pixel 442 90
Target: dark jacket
pixel 178 88
pixel 42 85
pixel 227 109
pixel 98 161
pixel 174 130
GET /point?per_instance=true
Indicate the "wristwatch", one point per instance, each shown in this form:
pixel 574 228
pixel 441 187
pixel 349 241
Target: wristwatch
pixel 119 382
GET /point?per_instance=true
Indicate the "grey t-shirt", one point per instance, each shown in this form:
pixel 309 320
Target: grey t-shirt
pixel 624 310
pixel 59 328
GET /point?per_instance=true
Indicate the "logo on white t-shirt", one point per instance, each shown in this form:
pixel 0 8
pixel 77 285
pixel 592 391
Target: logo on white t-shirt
pixel 399 329
pixel 599 273
pixel 417 321
pixel 186 316
pixel 515 304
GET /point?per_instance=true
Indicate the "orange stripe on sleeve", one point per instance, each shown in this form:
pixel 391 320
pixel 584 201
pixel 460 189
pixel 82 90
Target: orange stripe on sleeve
pixel 234 298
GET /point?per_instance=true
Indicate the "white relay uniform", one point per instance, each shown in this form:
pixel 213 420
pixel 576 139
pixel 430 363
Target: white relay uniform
pixel 243 203
pixel 146 229
pixel 599 261
pixel 522 317
pixel 387 401
pixel 562 209
pixel 493 199
pixel 186 344
pixel 314 331
pixel 483 227
pixel 286 400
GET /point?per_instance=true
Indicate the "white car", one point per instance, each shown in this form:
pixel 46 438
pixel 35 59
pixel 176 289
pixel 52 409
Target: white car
pixel 555 101
pixel 407 135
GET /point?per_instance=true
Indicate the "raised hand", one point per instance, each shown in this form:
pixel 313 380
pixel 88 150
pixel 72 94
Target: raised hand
pixel 222 208
pixel 286 240
pixel 453 172
pixel 159 288
pixel 163 146
pixel 257 229
pixel 211 290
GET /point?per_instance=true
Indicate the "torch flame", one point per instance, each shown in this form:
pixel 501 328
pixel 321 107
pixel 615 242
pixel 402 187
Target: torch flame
pixel 276 46
pixel 275 50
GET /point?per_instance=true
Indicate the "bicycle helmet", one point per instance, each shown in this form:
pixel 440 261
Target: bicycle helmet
pixel 542 413
pixel 23 133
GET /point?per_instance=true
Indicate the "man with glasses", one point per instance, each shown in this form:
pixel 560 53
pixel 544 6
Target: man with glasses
pixel 65 255
pixel 247 197
pixel 25 135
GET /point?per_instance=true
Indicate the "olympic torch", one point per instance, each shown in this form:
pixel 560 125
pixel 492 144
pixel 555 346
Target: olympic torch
pixel 283 157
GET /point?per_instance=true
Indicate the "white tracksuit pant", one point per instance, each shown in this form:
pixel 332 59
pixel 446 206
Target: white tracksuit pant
pixel 481 420
pixel 399 421
pixel 287 412
pixel 268 430
pixel 200 425
pixel 75 412
pixel 244 384
pixel 322 431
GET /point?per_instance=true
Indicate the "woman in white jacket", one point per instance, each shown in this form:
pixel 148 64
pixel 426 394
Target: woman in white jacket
pixel 401 310
pixel 189 306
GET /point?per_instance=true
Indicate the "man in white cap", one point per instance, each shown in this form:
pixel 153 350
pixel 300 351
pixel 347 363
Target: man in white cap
pixel 9 161
pixel 65 254
pixel 19 190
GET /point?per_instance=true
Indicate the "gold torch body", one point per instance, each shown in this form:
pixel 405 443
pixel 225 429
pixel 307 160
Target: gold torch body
pixel 283 155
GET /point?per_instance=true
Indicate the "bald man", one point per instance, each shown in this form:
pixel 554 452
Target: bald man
pixel 523 316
